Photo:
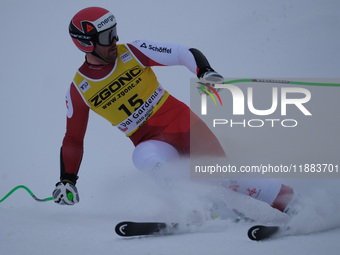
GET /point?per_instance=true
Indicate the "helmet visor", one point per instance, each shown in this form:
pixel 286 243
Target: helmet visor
pixel 106 38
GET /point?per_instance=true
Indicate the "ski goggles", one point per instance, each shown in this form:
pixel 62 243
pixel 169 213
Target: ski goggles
pixel 106 38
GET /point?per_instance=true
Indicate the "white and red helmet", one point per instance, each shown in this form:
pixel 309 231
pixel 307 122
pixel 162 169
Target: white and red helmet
pixel 93 25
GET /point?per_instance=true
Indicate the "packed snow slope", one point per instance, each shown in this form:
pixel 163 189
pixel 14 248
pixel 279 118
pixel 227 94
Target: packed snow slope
pixel 243 38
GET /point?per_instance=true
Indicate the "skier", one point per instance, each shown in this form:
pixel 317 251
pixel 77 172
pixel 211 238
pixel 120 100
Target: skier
pixel 116 81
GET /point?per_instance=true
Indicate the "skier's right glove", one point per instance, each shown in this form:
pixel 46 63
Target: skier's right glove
pixel 65 193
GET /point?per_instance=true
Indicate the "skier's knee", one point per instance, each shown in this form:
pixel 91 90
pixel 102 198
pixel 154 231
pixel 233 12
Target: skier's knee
pixel 152 154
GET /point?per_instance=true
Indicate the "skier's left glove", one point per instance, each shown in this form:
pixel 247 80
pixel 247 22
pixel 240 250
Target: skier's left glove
pixel 210 77
pixel 65 193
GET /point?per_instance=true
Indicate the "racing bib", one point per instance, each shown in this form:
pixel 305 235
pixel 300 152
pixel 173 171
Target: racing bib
pixel 127 97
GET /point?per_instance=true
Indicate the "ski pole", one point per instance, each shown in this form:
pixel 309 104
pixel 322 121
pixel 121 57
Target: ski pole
pixel 284 82
pixel 29 191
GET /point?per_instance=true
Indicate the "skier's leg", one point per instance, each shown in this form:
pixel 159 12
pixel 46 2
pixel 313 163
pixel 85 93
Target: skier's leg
pixel 153 154
pixel 270 191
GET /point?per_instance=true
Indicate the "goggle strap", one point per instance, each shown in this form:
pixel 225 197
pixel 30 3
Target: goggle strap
pixel 80 36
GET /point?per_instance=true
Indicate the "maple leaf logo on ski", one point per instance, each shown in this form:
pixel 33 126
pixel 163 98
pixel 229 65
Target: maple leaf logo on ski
pixel 234 187
pixel 252 192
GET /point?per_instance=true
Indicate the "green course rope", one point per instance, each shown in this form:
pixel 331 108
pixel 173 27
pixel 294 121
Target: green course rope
pixel 284 82
pixel 29 191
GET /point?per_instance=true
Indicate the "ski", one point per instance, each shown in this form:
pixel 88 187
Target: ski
pixel 260 232
pixel 129 228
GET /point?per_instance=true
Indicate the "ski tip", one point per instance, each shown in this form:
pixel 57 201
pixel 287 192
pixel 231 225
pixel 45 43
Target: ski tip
pixel 260 232
pixel 129 228
pixel 120 228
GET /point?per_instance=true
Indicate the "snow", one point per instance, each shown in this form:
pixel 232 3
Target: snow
pixel 241 38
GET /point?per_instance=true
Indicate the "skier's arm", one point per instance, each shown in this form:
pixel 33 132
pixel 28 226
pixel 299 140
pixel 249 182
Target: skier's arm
pixel 72 148
pixel 168 54
pixel 65 192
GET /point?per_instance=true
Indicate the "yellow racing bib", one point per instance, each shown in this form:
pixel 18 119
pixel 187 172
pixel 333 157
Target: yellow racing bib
pixel 128 96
